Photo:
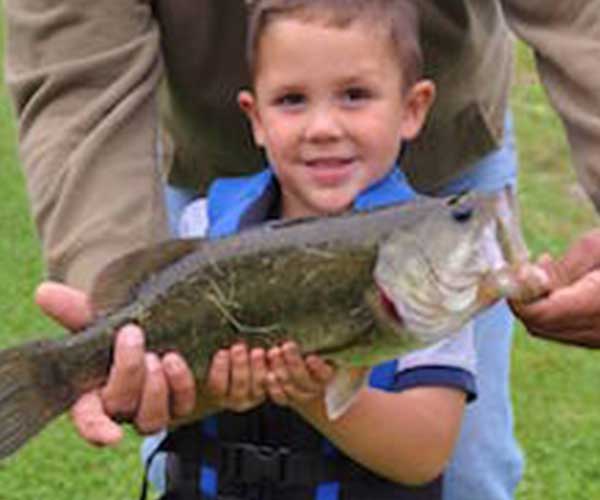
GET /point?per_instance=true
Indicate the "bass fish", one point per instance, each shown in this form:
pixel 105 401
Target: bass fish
pixel 355 289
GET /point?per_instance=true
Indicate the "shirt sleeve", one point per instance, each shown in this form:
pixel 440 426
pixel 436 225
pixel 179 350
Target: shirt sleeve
pixel 83 77
pixel 194 219
pixel 565 38
pixel 448 363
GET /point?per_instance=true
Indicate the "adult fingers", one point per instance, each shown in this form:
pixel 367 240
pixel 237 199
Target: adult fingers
pixel 582 257
pixel 570 314
pixel 182 387
pixel 153 412
pixel 68 306
pixel 567 307
pixel 92 423
pixel 123 390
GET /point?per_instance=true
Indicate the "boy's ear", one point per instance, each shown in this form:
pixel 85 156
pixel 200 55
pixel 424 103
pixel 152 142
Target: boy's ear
pixel 247 103
pixel 417 103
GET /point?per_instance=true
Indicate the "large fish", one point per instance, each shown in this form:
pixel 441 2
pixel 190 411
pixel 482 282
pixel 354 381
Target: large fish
pixel 356 289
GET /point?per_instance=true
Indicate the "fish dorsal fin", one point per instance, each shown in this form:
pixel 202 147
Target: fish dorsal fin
pixel 113 285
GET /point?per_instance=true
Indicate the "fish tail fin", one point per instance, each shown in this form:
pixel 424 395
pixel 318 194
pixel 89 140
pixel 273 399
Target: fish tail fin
pixel 32 392
pixel 509 227
pixel 520 280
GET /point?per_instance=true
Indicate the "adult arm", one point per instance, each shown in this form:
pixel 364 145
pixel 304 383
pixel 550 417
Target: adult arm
pixel 83 76
pixel 565 37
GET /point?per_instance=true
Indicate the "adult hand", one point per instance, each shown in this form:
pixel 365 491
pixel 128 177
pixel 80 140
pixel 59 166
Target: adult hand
pixel 236 379
pixel 296 381
pixel 570 313
pixel 142 388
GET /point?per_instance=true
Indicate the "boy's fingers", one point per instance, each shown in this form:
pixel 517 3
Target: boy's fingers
pixel 122 393
pixel 258 366
pixel 68 306
pixel 275 390
pixel 319 369
pixel 285 381
pixel 239 389
pixel 153 412
pixel 182 387
pixel 276 377
pixel 298 371
pixel 277 365
pixel 217 384
pixel 92 423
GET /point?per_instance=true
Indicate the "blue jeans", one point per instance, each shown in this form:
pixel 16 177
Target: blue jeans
pixel 487 463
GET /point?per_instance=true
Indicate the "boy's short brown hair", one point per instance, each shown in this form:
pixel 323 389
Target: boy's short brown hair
pixel 398 17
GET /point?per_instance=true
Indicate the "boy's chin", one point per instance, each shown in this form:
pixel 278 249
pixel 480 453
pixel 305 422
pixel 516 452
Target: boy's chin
pixel 335 206
pixel 320 210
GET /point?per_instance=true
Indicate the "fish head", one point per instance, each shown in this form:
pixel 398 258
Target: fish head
pixel 435 274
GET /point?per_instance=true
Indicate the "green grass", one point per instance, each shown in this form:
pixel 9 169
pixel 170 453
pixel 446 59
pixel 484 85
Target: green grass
pixel 58 465
pixel 555 388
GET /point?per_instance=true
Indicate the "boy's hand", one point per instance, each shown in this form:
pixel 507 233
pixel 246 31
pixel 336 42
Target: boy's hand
pixel 236 379
pixel 296 381
pixel 142 388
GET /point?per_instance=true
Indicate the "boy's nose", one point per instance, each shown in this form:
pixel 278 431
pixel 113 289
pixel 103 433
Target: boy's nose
pixel 323 125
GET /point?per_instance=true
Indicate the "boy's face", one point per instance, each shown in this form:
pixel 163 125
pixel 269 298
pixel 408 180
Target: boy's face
pixel 330 110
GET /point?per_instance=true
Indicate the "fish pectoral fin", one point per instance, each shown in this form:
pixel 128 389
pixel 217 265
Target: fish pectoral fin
pixel 114 284
pixel 341 392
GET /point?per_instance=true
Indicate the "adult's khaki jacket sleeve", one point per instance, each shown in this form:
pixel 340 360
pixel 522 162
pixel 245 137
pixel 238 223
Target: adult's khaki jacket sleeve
pixel 566 39
pixel 83 76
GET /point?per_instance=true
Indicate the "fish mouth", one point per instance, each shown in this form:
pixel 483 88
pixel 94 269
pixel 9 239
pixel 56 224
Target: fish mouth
pixel 388 306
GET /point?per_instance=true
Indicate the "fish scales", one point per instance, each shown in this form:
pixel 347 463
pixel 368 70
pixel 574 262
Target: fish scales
pixel 261 300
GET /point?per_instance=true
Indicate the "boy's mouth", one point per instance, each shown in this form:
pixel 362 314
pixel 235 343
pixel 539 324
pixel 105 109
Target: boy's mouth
pixel 329 162
pixel 330 170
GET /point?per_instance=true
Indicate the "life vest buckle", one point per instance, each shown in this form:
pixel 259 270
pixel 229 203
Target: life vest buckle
pixel 248 463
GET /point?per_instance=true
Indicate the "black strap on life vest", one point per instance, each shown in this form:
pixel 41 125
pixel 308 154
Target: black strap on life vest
pixel 269 453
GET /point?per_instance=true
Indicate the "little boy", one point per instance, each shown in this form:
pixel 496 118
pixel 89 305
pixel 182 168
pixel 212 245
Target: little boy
pixel 336 93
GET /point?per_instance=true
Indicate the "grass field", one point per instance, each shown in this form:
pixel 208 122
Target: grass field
pixel 555 389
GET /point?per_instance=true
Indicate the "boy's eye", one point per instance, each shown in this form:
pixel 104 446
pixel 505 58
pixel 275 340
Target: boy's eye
pixel 356 94
pixel 291 99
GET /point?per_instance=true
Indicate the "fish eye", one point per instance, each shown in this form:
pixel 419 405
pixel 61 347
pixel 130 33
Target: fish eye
pixel 461 207
pixel 462 213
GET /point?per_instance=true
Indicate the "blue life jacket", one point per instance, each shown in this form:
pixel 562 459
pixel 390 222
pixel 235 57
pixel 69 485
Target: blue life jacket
pixel 235 204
